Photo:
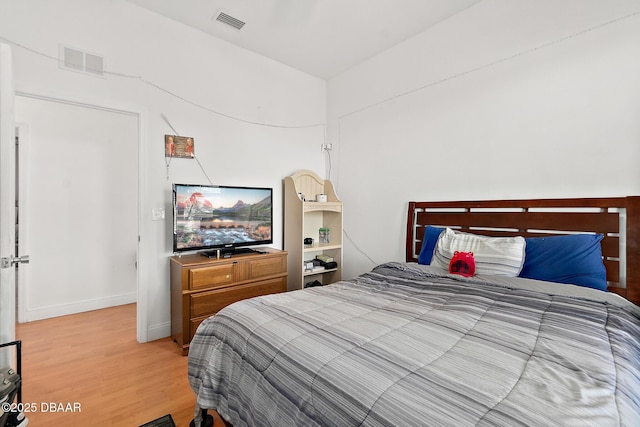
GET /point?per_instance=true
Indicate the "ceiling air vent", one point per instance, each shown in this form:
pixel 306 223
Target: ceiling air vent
pixel 229 20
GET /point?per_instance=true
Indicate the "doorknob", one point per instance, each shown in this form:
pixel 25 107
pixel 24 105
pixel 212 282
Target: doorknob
pixel 11 261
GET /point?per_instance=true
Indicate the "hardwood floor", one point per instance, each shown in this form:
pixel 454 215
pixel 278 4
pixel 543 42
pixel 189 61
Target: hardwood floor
pixel 93 359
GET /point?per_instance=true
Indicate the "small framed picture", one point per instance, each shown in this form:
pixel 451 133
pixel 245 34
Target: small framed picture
pixel 179 146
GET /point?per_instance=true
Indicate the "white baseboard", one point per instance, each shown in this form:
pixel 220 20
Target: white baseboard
pixel 81 306
pixel 161 330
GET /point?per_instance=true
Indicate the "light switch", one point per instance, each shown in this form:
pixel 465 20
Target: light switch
pixel 157 214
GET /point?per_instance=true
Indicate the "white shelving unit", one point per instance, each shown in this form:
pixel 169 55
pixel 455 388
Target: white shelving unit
pixel 303 219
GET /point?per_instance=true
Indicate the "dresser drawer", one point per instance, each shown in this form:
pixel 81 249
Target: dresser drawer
pixel 194 325
pixel 267 267
pixel 210 302
pixel 211 277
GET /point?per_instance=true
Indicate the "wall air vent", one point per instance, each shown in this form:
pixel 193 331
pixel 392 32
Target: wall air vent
pixel 229 20
pixel 84 62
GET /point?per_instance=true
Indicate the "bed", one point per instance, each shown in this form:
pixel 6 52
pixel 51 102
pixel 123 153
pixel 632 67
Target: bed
pixel 408 343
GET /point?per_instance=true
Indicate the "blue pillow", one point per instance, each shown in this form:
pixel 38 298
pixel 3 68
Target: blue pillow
pixel 429 241
pixel 574 259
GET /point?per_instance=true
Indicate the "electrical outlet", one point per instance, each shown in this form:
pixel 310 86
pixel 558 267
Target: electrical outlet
pixel 326 147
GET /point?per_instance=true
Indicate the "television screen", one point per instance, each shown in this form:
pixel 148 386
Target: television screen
pixel 218 217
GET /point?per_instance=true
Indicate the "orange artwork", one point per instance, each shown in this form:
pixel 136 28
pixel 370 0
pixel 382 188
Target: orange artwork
pixel 179 146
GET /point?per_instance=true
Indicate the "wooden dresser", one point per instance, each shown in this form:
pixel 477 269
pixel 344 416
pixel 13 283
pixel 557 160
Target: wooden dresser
pixel 201 286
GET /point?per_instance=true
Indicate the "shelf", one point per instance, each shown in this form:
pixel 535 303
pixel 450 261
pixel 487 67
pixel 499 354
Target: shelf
pixel 321 247
pixel 304 219
pixel 313 273
pixel 322 206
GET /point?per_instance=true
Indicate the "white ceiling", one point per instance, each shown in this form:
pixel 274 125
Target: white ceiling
pixel 319 37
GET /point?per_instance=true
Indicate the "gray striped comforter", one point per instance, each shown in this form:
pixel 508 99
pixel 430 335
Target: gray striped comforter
pixel 400 346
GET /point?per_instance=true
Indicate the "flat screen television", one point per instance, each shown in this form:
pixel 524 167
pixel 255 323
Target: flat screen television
pixel 211 217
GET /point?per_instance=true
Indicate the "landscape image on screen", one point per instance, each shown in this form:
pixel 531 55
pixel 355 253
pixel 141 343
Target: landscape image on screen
pixel 207 217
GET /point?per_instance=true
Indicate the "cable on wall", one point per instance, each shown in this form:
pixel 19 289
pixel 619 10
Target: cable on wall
pixel 327 162
pixel 210 110
pixel 358 248
pixel 168 92
pixel 167 160
pixel 465 73
pixel 493 63
pixel 195 104
pixel 327 154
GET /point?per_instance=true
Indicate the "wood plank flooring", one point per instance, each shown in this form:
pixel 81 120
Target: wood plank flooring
pixel 93 359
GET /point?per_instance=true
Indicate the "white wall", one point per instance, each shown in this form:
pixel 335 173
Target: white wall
pixel 162 67
pixel 508 99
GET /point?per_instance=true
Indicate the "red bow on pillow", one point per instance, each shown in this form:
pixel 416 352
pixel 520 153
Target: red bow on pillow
pixel 462 263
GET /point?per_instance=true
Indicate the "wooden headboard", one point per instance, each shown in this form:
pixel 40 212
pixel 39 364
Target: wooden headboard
pixel 618 218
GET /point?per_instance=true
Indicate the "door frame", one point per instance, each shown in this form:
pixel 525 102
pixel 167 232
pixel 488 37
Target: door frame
pixel 141 300
pixel 7 213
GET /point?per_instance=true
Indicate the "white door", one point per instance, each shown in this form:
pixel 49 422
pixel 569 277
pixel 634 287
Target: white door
pixel 7 202
pixel 78 186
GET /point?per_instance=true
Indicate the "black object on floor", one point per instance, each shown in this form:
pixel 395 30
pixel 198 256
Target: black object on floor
pixel 166 421
pixel 207 421
pixel 10 388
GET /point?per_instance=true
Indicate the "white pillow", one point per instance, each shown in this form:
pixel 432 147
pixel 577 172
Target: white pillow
pixel 501 256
